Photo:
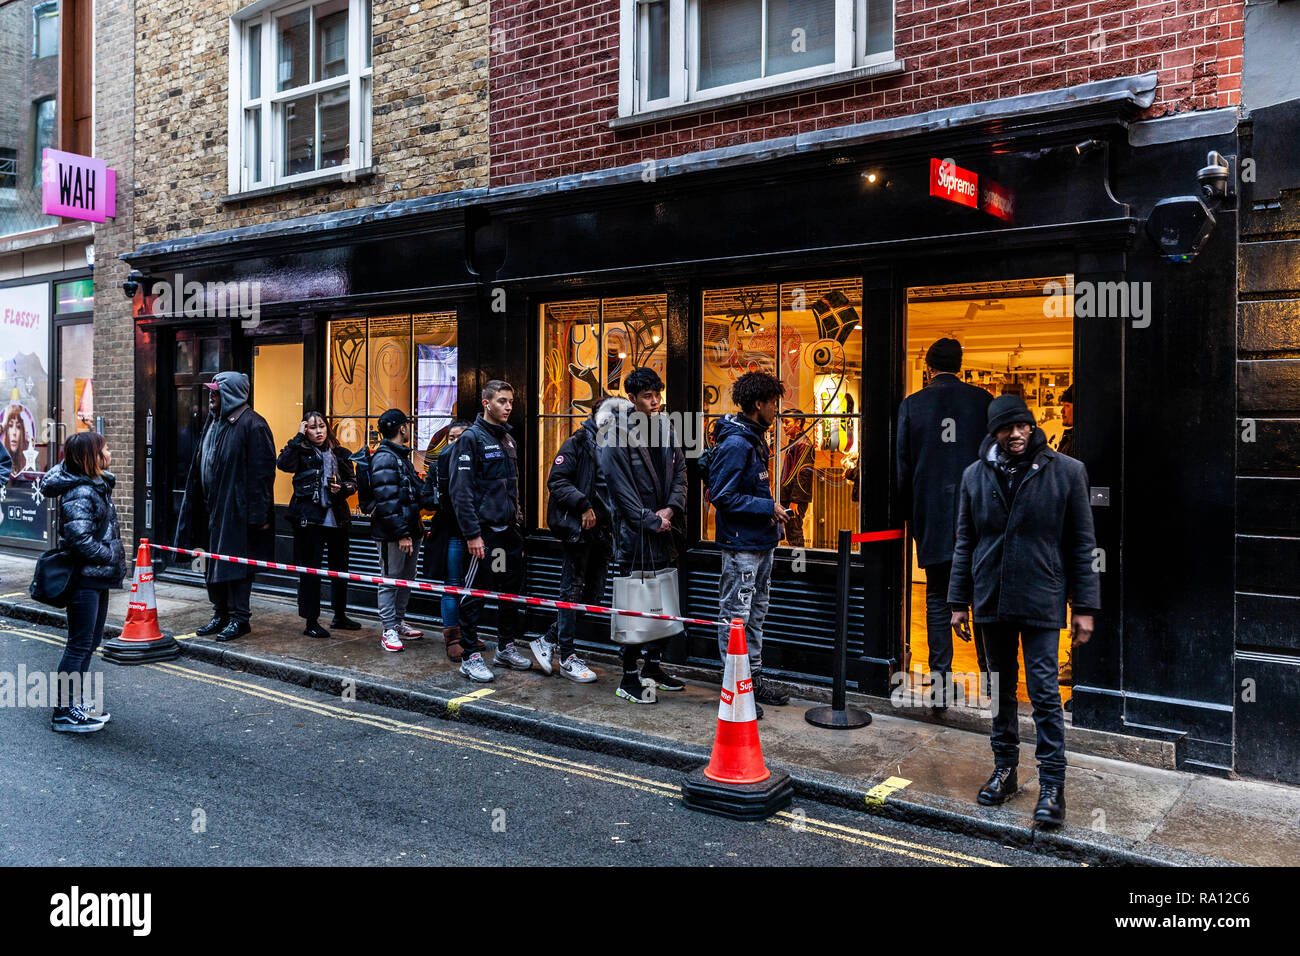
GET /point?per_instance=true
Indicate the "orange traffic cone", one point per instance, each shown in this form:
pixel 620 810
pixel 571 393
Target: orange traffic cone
pixel 737 783
pixel 141 640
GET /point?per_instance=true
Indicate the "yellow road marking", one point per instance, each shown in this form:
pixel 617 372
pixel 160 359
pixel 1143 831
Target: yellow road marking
pixel 12 594
pixel 453 705
pixel 186 637
pixel 877 795
pixel 785 818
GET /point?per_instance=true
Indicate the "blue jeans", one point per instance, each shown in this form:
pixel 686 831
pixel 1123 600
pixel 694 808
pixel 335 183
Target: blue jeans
pixel 457 560
pixel 87 611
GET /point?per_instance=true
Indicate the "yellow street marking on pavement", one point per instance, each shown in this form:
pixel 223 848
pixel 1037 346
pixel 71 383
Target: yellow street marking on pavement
pixel 11 594
pixel 453 705
pixel 877 795
pixel 796 822
pixel 186 637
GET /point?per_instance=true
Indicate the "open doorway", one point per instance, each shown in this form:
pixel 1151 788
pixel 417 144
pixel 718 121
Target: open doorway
pixel 1016 338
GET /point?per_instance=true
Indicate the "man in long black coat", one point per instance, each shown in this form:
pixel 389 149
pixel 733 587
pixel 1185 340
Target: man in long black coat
pixel 229 501
pixel 939 433
pixel 1025 546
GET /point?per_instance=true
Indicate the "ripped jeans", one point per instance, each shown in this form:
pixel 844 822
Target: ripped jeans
pixel 745 587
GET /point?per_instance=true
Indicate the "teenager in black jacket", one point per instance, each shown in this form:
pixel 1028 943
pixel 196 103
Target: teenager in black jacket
pixel 576 513
pixel 395 523
pixel 88 531
pixel 323 479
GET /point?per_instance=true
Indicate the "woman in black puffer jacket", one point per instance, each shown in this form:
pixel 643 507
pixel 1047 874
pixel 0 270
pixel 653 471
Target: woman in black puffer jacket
pixel 323 479
pixel 89 532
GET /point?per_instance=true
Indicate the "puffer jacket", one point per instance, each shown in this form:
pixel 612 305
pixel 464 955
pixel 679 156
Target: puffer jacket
pixel 304 461
pixel 1020 562
pixel 573 483
pixel 739 487
pixel 88 525
pixel 397 492
pixel 643 470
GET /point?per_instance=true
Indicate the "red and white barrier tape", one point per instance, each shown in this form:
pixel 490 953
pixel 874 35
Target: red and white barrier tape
pixel 438 588
pixel 893 535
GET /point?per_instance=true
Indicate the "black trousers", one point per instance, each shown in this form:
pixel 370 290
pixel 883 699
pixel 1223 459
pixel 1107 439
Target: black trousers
pixel 500 569
pixel 230 599
pixel 938 623
pixel 310 542
pixel 87 612
pixel 1041 648
pixel 582 580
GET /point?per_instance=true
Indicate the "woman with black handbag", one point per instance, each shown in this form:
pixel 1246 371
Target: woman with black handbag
pixel 89 533
pixel 323 479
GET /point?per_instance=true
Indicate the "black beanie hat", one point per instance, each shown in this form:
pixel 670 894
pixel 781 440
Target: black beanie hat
pixel 1007 410
pixel 1067 396
pixel 944 356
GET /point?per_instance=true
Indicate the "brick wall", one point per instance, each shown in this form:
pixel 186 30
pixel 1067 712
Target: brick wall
pixel 555 73
pixel 429 105
pixel 114 367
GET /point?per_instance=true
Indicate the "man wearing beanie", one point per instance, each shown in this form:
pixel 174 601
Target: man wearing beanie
pixel 1024 546
pixel 939 433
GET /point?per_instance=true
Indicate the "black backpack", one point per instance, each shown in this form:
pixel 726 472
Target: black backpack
pixel 365 493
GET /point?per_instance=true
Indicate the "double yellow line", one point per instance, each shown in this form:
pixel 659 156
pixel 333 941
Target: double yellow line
pixel 795 820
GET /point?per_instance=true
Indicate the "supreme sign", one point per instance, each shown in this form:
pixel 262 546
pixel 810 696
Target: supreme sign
pixel 949 181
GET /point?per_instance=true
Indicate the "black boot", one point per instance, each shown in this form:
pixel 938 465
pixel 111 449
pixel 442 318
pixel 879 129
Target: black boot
pixel 342 622
pixel 1050 811
pixel 214 626
pixel 999 787
pixel 765 693
pixel 233 630
pixel 315 630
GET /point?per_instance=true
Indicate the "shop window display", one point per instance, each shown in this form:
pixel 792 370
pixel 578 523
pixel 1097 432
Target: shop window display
pixel 588 346
pixel 809 334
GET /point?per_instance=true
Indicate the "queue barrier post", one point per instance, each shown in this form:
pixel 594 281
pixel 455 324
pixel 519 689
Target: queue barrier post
pixel 839 716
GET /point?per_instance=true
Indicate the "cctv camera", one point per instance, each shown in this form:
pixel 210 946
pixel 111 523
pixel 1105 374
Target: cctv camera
pixel 1213 177
pixel 132 284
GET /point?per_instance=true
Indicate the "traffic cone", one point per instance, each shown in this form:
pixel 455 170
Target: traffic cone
pixel 736 783
pixel 141 640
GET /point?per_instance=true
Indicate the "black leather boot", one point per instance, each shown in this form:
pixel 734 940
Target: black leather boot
pixel 233 630
pixel 999 787
pixel 1050 811
pixel 214 626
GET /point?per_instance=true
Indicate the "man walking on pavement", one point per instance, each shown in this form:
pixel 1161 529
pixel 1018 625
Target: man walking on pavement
pixel 644 473
pixel 576 513
pixel 229 501
pixel 749 520
pixel 396 498
pixel 1024 546
pixel 939 433
pixel 485 494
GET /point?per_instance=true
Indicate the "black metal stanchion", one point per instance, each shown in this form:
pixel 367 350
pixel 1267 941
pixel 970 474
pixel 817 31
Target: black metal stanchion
pixel 838 715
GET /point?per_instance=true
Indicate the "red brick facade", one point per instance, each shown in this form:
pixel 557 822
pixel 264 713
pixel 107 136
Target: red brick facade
pixel 554 73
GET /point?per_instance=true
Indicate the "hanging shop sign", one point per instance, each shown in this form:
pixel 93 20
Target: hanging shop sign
pixel 949 181
pixel 24 397
pixel 77 187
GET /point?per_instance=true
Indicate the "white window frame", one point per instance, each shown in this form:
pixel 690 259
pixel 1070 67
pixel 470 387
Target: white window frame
pixel 683 61
pixel 358 81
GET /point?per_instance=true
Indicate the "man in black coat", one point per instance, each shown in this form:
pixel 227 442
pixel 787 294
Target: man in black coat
pixel 229 501
pixel 939 433
pixel 1025 545
pixel 576 514
pixel 644 469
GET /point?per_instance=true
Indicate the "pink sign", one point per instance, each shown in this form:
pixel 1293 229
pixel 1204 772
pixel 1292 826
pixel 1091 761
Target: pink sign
pixel 77 187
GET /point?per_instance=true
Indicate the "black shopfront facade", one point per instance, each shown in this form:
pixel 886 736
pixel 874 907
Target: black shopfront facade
pixel 670 261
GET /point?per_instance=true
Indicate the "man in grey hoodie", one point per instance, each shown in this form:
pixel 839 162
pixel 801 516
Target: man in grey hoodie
pixel 229 501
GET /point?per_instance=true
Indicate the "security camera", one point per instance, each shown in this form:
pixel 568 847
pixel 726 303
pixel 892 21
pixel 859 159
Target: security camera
pixel 1213 176
pixel 132 284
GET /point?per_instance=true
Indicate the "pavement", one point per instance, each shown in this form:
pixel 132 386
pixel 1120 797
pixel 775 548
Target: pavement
pixel 910 765
pixel 201 766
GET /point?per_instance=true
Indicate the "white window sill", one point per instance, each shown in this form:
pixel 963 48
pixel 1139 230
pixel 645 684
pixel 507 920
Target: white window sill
pixel 340 176
pixel 873 71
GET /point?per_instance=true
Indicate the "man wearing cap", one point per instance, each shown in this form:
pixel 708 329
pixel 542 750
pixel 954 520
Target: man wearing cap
pixel 1024 547
pixel 939 433
pixel 395 524
pixel 229 502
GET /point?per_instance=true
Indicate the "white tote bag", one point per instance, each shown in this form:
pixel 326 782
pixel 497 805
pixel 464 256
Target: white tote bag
pixel 654 592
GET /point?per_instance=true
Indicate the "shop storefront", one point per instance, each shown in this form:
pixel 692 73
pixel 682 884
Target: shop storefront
pixel 832 267
pixel 47 391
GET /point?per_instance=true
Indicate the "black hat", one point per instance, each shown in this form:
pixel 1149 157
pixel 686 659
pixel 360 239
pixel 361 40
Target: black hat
pixel 1007 410
pixel 1067 396
pixel 392 420
pixel 944 356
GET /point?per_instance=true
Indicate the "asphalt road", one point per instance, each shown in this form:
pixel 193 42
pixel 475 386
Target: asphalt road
pixel 206 766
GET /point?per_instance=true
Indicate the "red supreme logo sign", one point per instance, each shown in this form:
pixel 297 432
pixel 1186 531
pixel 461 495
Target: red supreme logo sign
pixel 949 181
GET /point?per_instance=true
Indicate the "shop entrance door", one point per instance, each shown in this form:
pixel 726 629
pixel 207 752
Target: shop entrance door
pixel 277 396
pixel 1013 342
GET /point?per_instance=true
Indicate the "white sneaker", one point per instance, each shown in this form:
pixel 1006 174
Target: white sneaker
pixel 474 668
pixel 543 650
pixel 576 669
pixel 410 633
pixel 391 641
pixel 508 655
pixel 88 708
